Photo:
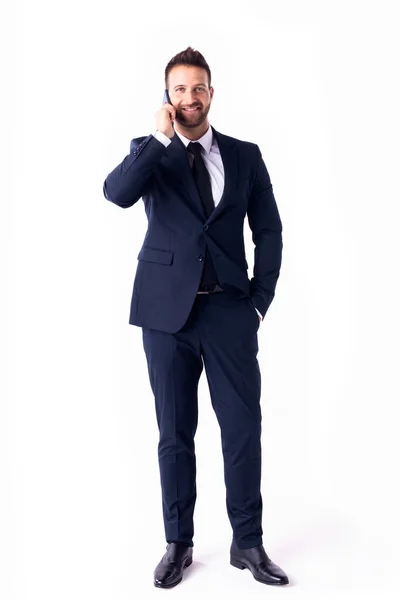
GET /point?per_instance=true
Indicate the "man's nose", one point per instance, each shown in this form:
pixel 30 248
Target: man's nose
pixel 190 98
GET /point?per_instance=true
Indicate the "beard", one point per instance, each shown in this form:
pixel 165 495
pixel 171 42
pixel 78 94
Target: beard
pixel 190 121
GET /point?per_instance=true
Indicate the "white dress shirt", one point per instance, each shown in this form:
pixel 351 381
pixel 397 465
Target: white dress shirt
pixel 212 159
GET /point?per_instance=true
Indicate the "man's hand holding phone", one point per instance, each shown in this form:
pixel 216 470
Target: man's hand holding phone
pixel 165 116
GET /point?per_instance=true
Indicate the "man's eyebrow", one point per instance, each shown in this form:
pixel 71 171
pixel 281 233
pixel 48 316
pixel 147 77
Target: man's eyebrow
pixel 195 85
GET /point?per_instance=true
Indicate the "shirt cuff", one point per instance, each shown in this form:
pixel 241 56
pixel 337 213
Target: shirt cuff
pixel 161 137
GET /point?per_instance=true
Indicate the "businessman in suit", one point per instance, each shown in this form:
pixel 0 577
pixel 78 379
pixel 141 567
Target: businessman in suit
pixel 197 307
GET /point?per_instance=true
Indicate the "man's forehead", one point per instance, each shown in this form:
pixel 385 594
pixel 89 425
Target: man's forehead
pixel 180 73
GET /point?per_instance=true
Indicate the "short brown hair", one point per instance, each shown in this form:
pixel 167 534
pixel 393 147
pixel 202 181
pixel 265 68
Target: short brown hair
pixel 188 57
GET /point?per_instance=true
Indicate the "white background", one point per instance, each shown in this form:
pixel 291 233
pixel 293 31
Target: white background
pixel 315 85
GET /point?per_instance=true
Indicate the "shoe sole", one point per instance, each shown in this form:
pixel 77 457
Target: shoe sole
pixel 171 585
pixel 241 566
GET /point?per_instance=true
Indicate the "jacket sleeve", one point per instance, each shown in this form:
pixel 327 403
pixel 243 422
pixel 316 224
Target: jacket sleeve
pixel 266 226
pixel 128 181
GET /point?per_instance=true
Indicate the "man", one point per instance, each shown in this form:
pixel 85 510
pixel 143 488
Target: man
pixel 196 306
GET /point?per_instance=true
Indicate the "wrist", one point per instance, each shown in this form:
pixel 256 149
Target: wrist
pixel 161 137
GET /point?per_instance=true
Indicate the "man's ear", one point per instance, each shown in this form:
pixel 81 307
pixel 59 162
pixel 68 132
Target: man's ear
pixel 211 92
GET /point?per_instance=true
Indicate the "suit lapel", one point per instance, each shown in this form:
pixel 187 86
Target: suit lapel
pixel 229 158
pixel 178 166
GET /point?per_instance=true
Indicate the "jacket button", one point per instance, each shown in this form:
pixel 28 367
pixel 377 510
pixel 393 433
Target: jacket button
pixel 205 227
pixel 199 258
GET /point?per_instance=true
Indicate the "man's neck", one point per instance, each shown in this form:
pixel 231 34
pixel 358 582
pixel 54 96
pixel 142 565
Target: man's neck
pixel 192 133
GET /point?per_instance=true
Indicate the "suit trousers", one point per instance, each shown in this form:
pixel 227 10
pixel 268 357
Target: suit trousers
pixel 221 334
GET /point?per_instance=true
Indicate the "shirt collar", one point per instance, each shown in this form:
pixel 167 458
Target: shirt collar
pixel 205 140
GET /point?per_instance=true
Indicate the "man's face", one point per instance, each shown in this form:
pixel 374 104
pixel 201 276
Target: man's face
pixel 188 89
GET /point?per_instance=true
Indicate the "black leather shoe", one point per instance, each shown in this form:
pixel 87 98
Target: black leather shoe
pixel 169 570
pixel 256 560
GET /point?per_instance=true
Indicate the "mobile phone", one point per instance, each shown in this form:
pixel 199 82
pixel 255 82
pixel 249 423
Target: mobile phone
pixel 166 97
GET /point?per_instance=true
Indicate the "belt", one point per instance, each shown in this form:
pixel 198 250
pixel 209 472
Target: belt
pixel 211 289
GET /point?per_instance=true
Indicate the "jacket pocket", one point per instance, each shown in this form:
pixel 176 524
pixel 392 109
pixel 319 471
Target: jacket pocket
pixel 156 255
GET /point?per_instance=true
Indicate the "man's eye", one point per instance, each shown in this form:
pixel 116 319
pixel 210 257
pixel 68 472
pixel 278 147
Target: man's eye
pixel 198 88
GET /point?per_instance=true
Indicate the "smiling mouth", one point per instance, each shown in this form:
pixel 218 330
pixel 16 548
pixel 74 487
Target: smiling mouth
pixel 191 109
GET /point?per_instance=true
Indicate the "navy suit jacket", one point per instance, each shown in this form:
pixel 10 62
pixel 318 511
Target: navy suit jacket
pixel 171 257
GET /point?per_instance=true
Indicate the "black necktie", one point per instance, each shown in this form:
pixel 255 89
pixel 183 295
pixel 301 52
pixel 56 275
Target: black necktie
pixel 202 177
pixel 209 276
